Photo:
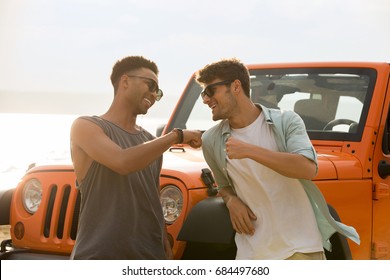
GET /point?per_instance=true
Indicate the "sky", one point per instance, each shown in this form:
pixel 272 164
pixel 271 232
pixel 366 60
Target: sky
pixel 70 46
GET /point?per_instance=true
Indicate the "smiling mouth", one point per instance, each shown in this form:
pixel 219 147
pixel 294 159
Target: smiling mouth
pixel 148 101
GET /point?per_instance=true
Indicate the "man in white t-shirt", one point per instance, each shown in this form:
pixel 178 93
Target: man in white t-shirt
pixel 263 161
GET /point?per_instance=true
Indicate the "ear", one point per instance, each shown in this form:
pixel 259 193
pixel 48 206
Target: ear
pixel 236 86
pixel 124 80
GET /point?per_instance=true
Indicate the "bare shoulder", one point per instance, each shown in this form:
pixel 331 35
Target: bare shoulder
pixel 82 131
pixel 84 126
pixel 82 121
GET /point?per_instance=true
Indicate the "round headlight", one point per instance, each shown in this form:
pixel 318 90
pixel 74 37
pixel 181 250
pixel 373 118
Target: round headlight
pixel 171 199
pixel 32 195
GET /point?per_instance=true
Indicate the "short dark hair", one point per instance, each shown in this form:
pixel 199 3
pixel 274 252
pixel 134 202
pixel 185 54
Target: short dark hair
pixel 226 69
pixel 128 64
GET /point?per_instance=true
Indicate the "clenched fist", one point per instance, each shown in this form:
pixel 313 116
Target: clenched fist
pixel 192 138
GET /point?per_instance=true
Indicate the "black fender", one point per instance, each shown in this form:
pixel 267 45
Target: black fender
pixel 208 222
pixel 5 205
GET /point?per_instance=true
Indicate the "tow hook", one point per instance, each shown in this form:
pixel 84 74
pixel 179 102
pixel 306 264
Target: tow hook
pixel 208 180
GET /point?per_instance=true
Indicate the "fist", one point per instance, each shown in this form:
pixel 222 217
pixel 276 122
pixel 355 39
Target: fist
pixel 192 138
pixel 235 149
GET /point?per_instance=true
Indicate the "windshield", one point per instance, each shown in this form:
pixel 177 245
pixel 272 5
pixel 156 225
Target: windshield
pixel 333 102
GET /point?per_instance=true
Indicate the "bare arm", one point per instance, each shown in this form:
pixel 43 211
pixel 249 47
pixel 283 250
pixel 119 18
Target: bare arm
pixel 287 164
pixel 89 142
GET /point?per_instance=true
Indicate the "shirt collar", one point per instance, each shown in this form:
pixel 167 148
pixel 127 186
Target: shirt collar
pixel 226 127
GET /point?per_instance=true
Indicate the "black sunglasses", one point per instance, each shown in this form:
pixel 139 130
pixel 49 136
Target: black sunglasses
pixel 210 89
pixel 152 85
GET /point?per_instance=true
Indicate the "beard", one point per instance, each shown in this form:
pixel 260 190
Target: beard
pixel 223 110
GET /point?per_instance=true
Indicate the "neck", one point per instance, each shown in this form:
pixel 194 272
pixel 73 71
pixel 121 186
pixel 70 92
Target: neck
pixel 244 116
pixel 122 117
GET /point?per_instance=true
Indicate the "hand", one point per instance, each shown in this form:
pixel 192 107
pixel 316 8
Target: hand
pixel 192 138
pixel 241 216
pixel 235 149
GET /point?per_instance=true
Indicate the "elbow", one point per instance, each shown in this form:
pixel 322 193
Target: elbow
pixel 309 168
pixel 309 177
pixel 311 172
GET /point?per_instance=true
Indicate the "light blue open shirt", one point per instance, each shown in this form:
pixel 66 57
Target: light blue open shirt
pixel 291 137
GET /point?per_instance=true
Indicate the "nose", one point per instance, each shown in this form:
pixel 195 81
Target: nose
pixel 154 94
pixel 206 99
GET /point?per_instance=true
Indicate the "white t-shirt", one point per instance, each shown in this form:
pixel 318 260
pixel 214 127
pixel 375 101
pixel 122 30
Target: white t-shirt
pixel 285 220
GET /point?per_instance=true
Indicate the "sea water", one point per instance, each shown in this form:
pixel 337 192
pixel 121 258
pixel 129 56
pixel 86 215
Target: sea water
pixel 27 139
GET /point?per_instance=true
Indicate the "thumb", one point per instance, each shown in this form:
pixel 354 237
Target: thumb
pixel 252 215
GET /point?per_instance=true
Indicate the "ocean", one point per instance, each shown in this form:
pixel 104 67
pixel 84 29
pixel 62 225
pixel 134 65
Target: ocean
pixel 39 138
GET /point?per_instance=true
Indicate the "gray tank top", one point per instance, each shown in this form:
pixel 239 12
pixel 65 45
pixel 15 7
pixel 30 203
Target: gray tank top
pixel 120 216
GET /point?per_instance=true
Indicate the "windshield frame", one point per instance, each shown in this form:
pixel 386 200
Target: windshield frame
pixel 187 102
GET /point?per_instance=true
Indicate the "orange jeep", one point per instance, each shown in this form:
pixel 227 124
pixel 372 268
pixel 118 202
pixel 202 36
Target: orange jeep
pixel 345 107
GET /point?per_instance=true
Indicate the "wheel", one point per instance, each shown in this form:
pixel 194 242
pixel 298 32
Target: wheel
pixel 335 122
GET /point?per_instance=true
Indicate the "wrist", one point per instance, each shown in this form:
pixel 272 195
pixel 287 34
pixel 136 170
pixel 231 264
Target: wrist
pixel 227 196
pixel 180 135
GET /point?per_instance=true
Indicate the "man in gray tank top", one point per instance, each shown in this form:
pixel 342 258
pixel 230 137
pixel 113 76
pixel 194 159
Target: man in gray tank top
pixel 117 165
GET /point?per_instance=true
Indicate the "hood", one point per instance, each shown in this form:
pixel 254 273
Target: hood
pixel 184 164
pixel 338 165
pixel 184 159
pixel 331 165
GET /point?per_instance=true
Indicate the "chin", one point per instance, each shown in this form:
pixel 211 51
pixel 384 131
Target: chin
pixel 143 111
pixel 216 118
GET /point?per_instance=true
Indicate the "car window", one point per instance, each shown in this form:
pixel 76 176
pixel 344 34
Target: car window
pixel 333 102
pixel 201 117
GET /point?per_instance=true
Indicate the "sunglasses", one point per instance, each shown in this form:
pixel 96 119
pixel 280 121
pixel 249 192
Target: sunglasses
pixel 210 89
pixel 152 85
